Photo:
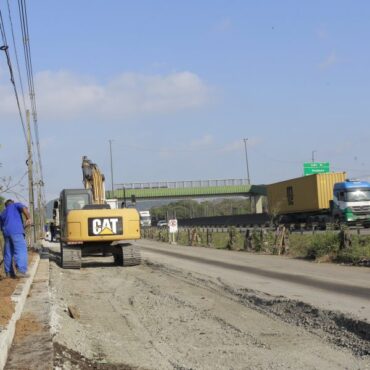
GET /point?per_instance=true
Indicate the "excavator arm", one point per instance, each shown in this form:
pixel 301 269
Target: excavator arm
pixel 94 180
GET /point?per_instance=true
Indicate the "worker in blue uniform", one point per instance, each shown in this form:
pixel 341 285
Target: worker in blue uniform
pixel 15 247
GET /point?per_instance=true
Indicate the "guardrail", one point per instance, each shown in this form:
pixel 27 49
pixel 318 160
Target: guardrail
pixel 181 184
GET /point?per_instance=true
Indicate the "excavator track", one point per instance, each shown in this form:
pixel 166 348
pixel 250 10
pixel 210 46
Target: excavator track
pixel 127 255
pixel 71 257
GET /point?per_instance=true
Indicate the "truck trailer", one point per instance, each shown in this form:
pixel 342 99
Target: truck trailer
pixel 320 198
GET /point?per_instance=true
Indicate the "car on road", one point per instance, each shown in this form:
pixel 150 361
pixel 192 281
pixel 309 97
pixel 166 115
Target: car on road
pixel 162 223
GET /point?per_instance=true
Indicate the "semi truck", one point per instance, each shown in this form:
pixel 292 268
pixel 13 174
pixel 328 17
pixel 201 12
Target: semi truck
pixel 320 198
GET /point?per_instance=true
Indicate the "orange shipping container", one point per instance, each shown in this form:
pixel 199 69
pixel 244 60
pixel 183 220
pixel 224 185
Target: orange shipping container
pixel 303 194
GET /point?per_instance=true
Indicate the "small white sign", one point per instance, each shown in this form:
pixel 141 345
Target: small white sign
pixel 172 224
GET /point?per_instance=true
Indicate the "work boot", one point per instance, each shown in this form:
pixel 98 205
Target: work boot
pixel 22 275
pixel 10 275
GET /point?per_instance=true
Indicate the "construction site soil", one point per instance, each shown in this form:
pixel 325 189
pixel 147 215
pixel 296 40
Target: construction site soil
pixel 156 316
pixel 7 288
pixel 26 326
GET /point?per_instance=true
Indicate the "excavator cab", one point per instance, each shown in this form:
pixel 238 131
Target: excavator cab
pixel 72 199
pixel 75 199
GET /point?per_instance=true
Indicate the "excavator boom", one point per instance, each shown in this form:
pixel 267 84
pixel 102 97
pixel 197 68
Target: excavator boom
pixel 94 180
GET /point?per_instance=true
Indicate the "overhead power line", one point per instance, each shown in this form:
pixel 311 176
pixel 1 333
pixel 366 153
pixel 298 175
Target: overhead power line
pixel 31 87
pixel 5 48
pixel 34 166
pixel 16 55
pixel 30 79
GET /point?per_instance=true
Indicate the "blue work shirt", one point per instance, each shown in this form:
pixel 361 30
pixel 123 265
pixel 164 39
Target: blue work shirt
pixel 11 221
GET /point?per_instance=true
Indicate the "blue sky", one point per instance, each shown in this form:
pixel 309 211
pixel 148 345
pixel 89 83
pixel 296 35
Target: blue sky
pixel 177 85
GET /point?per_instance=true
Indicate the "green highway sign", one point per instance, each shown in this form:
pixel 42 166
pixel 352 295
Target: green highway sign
pixel 311 168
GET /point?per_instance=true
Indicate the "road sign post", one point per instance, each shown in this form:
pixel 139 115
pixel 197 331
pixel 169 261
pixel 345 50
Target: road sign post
pixel 173 229
pixel 312 168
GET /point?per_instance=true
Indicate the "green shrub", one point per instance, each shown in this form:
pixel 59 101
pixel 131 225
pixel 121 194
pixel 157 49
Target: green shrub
pixel 323 244
pixel 182 237
pixel 299 244
pixel 220 240
pixel 359 250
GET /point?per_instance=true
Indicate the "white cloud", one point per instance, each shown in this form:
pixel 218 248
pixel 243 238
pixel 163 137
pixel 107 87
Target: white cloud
pixel 8 105
pixel 329 61
pixel 47 142
pixel 68 96
pixel 233 146
pixel 238 145
pixel 202 142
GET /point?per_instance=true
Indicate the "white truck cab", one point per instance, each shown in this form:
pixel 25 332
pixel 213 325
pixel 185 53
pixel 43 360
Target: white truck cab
pixel 351 202
pixel 145 219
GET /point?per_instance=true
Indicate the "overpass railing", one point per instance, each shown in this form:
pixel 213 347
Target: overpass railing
pixel 181 184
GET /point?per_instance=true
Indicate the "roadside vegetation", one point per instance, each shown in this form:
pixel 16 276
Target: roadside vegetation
pixel 327 246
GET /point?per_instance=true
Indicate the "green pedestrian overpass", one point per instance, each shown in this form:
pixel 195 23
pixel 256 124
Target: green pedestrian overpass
pixel 189 189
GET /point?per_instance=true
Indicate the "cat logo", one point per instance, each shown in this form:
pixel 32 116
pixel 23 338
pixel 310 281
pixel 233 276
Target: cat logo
pixel 105 226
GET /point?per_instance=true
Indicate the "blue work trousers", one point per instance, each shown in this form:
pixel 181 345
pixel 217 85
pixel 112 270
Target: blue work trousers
pixel 15 248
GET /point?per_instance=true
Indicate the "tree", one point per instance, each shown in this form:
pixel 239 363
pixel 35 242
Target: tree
pixel 189 208
pixel 2 203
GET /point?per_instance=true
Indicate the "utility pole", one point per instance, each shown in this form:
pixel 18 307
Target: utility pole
pixel 39 231
pixel 246 160
pixel 40 207
pixel 30 178
pixel 111 165
pixel 313 155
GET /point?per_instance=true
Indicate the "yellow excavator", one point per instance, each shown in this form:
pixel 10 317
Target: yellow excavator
pixel 88 225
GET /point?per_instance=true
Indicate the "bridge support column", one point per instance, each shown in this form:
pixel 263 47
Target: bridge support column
pixel 257 204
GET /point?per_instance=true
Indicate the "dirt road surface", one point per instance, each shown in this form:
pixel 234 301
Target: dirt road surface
pixel 326 286
pixel 176 312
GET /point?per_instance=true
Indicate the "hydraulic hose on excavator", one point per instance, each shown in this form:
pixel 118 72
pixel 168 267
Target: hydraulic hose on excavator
pixel 93 179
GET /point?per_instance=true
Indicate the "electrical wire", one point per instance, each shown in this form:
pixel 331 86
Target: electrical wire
pixel 16 55
pixel 12 80
pixel 29 69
